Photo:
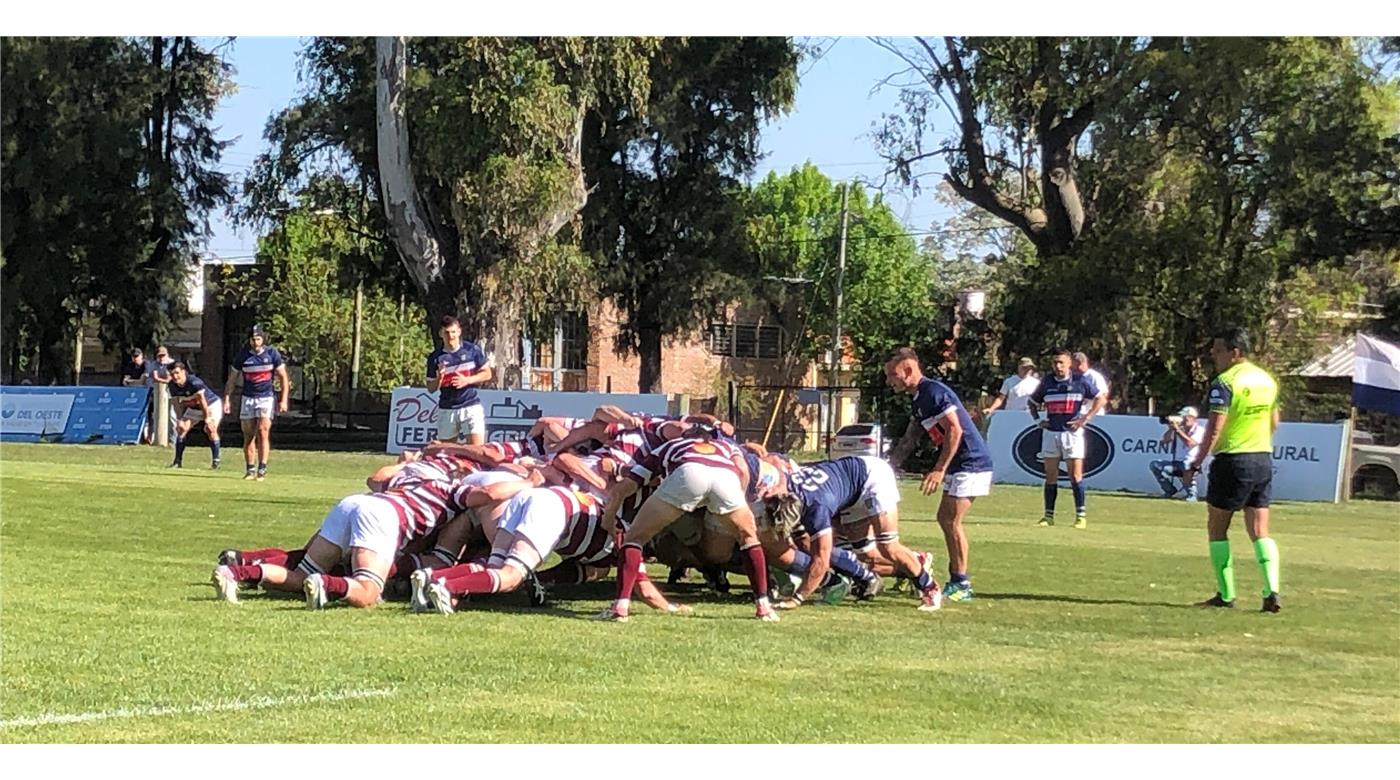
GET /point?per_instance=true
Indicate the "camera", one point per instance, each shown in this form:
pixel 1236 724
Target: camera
pixel 1169 419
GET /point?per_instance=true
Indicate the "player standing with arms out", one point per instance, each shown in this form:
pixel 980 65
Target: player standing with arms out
pixel 1062 437
pixel 964 465
pixel 1244 414
pixel 200 403
pixel 454 371
pixel 257 363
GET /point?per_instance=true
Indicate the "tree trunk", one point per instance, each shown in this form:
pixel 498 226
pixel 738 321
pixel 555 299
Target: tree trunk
pixel 412 234
pixel 505 344
pixel 649 360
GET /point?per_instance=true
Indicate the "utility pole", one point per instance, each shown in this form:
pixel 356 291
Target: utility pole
pixel 840 282
pixel 832 401
pixel 355 338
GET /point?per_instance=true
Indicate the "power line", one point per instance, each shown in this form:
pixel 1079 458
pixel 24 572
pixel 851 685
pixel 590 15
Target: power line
pixel 881 236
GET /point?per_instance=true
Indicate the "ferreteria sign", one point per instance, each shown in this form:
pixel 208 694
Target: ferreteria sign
pixel 413 412
pixel 1119 450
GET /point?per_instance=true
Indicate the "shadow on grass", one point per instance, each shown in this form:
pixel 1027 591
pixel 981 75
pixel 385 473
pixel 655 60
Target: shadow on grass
pixel 1078 600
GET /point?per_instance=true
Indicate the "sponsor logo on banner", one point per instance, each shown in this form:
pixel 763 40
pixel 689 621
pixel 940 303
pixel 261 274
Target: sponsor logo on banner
pixel 1308 458
pixel 413 412
pixel 73 415
pixel 35 414
pixel 1098 452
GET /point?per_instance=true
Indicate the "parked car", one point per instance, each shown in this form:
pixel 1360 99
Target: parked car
pixel 1375 470
pixel 860 439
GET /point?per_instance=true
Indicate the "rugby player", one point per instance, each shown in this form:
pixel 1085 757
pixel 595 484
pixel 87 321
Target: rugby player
pixel 367 530
pixel 858 496
pixel 1063 395
pixel 696 470
pixel 964 465
pixel 200 403
pixel 257 362
pixel 454 371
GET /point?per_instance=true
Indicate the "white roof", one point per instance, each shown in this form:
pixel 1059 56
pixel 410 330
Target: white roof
pixel 1339 362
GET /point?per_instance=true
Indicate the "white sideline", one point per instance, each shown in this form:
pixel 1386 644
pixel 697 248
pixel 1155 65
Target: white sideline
pixel 256 702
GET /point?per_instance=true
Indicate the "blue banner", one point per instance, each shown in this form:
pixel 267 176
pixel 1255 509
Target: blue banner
pixel 73 415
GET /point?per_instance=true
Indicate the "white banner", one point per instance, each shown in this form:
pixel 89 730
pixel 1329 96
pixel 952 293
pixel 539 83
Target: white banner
pixel 413 412
pixel 1308 457
pixel 43 414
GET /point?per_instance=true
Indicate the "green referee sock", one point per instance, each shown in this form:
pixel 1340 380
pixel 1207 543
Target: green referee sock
pixel 1224 569
pixel 1266 552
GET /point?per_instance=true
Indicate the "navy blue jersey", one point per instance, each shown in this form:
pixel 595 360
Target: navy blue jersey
pixel 192 385
pixel 465 360
pixel 827 489
pixel 257 369
pixel 933 402
pixel 1062 398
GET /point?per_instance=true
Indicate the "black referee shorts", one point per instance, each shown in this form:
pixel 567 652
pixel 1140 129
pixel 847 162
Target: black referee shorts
pixel 1240 479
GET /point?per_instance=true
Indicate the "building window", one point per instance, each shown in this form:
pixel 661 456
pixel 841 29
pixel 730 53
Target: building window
pixel 557 349
pixel 746 340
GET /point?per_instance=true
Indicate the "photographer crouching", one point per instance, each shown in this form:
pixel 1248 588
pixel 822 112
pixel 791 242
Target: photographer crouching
pixel 1184 433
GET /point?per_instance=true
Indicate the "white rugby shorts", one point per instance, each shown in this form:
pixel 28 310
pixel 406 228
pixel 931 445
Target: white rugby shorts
pixel 455 424
pixel 880 495
pixel 1065 445
pixel 537 516
pixel 967 484
pixel 253 408
pixel 363 520
pixel 195 415
pixel 694 484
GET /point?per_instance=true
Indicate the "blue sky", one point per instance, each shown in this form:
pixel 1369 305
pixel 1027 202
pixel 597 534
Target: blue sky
pixel 830 124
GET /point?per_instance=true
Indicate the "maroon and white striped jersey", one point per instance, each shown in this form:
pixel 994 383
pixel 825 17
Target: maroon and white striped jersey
pixel 512 451
pixel 424 503
pixel 583 538
pixel 628 446
pixel 677 452
pixel 429 467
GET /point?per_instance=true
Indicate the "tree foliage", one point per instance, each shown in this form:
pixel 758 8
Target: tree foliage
pixel 307 302
pixel 665 222
pixel 109 174
pixel 493 122
pixel 1218 181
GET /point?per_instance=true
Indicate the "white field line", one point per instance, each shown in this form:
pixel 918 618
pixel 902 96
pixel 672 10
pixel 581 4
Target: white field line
pixel 257 702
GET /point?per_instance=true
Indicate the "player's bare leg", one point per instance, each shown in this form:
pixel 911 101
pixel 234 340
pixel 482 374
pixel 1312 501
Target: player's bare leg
pixel 512 558
pixel 212 431
pixel 250 447
pixel 951 511
pixel 886 526
pixel 361 589
pixel 1052 490
pixel 1076 484
pixel 651 519
pixel 182 428
pixel 742 525
pixel 320 557
pixel 264 445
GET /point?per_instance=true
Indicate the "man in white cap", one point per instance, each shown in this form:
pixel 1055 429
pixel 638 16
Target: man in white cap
pixel 1183 435
pixel 1016 391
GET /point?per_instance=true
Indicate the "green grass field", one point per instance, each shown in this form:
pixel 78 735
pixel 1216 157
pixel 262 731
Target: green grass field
pixel 110 631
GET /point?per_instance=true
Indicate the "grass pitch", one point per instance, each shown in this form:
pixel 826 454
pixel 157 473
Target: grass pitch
pixel 109 631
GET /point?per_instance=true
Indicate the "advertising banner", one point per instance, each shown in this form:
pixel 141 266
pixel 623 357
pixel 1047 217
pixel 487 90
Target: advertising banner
pixel 413 412
pixel 1308 457
pixel 73 415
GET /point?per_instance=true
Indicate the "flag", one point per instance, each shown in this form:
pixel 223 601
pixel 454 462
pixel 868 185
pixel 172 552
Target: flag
pixel 1375 381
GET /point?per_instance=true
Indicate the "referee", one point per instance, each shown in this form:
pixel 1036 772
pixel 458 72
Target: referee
pixel 1243 415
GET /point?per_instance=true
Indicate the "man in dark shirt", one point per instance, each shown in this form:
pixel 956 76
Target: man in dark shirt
pixel 454 372
pixel 198 403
